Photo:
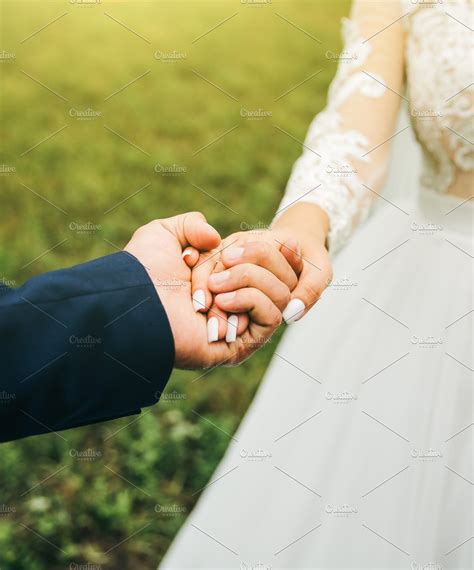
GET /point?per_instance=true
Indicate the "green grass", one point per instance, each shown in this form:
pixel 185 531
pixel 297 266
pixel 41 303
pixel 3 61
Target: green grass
pixel 83 511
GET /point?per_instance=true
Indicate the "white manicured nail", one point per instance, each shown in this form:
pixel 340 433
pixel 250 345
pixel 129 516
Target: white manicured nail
pixel 186 252
pixel 294 310
pixel 212 329
pixel 232 324
pixel 199 300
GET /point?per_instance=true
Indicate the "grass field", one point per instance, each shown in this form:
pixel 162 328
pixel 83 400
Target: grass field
pixel 85 159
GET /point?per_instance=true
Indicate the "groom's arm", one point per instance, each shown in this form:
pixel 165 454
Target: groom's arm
pixel 81 345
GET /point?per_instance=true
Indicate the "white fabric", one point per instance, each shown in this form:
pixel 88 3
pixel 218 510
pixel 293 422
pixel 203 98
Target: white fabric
pixel 375 459
pixel 357 449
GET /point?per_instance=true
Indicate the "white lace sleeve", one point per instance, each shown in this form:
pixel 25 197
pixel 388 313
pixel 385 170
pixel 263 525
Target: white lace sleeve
pixel 345 156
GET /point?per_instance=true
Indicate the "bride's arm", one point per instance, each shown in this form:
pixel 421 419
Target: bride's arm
pixel 346 149
pixel 344 157
pixel 345 153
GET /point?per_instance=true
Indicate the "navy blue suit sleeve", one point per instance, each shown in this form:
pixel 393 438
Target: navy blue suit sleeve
pixel 81 345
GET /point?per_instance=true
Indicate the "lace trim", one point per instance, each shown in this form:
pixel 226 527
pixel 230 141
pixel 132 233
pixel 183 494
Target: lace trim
pixel 441 107
pixel 324 174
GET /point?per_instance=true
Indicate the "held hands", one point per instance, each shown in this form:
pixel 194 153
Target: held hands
pixel 247 264
pixel 289 265
pixel 158 246
pixel 224 300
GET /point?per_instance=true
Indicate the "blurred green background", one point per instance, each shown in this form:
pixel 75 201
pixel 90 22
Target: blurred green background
pixel 83 163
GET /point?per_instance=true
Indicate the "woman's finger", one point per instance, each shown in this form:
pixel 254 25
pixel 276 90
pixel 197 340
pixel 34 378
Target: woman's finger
pixel 264 320
pixel 264 255
pixel 260 308
pixel 202 298
pixel 242 320
pixel 249 275
pixel 291 251
pixel 216 324
pixel 312 282
pixel 190 256
pixel 221 325
pixel 237 324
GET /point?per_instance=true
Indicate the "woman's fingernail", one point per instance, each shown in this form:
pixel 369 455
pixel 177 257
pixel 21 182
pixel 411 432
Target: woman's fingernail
pixel 227 297
pixel 199 300
pixel 212 329
pixel 232 325
pixel 234 253
pixel 186 252
pixel 294 310
pixel 219 278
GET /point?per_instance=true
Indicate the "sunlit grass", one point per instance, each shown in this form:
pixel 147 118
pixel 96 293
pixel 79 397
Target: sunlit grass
pixel 86 174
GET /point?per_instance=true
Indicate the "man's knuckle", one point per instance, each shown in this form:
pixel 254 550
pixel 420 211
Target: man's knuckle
pixel 142 231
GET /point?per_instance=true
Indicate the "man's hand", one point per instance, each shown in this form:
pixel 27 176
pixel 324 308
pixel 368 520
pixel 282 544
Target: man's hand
pixel 159 248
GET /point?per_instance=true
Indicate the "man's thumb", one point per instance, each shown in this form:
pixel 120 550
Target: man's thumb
pixel 192 229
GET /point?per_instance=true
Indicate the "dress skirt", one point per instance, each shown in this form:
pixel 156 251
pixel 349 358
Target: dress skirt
pixel 357 450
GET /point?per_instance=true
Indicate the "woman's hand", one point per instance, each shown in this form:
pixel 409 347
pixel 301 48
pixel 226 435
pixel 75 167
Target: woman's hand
pixel 309 224
pixel 158 247
pixel 289 263
pixel 246 263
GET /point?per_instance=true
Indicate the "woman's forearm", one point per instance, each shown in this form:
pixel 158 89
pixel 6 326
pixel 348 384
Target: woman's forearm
pixel 309 218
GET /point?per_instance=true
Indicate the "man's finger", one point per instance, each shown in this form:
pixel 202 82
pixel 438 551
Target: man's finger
pixel 193 229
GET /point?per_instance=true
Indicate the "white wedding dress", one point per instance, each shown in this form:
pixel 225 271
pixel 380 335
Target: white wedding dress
pixel 357 450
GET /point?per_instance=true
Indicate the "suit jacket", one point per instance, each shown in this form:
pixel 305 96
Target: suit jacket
pixel 81 345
